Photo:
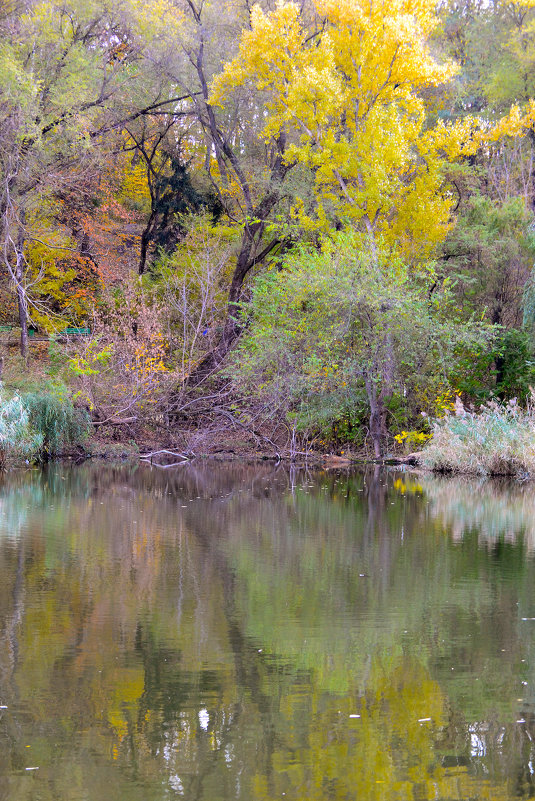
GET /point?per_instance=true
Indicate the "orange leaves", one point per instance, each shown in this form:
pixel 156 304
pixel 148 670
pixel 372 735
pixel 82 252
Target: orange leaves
pixel 107 227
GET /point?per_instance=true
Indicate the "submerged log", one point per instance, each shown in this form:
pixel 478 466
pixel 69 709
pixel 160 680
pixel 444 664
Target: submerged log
pixel 410 458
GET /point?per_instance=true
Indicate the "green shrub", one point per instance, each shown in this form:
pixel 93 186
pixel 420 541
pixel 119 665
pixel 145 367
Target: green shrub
pixel 349 340
pixel 505 370
pixel 497 440
pixel 335 418
pixel 17 438
pixel 55 420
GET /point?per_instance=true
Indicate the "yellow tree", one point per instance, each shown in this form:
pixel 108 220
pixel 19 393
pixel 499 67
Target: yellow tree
pixel 350 96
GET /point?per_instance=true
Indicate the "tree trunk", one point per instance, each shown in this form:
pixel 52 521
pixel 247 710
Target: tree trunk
pixel 387 380
pixel 21 293
pixel 247 259
pixel 145 241
pixel 251 253
pixel 23 320
pixel 377 417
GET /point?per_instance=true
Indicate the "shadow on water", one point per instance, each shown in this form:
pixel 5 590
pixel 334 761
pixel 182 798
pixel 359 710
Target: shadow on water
pixel 248 632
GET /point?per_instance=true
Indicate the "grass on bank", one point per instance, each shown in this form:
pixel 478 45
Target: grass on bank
pixel 38 418
pixel 38 425
pixel 499 439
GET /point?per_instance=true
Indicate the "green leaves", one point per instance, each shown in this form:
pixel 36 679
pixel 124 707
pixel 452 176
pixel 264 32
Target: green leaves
pixel 332 322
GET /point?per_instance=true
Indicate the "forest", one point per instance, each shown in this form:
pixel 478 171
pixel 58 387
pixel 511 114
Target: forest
pixel 281 228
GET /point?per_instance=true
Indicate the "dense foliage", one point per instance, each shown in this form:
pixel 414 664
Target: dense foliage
pixel 312 220
pixel 339 331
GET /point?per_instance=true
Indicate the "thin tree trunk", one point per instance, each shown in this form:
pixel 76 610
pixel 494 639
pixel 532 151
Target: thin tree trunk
pixel 23 320
pixel 145 241
pixel 251 252
pixel 21 292
pixel 387 382
pixel 377 417
pixel 231 331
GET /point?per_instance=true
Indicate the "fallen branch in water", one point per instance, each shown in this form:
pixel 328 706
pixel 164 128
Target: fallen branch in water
pixel 411 459
pixel 149 456
pixel 165 466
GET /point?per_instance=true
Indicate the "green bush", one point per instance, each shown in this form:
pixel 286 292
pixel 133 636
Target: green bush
pixel 505 370
pixel 497 440
pixel 17 438
pixel 55 420
pixel 348 340
pixel 337 418
pixel 39 424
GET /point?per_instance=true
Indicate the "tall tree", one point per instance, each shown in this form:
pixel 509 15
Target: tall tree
pixel 247 176
pixel 348 100
pixel 334 94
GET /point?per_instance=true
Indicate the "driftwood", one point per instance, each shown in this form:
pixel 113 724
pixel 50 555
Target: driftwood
pixel 150 456
pixel 165 466
pixel 410 458
pixel 110 421
pixel 330 461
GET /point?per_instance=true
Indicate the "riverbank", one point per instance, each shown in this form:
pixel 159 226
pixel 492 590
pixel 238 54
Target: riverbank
pixel 42 417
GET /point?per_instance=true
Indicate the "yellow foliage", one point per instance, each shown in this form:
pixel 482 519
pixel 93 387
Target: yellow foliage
pixel 133 185
pixel 516 123
pixel 351 98
pixel 51 267
pixel 412 437
pixel 157 19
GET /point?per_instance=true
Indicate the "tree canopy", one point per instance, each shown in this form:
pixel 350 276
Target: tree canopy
pixel 206 146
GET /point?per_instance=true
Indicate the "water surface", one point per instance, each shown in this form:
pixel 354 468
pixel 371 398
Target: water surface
pixel 217 632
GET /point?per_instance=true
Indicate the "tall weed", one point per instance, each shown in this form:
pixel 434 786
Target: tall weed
pixel 17 438
pixel 55 421
pixel 499 439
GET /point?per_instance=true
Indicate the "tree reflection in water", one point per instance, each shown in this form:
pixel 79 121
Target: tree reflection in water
pixel 233 631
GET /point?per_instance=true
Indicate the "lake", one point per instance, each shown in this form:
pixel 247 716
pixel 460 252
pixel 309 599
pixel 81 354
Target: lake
pixel 228 631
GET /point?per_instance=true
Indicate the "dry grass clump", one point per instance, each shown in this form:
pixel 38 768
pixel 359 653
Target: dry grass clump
pixel 499 439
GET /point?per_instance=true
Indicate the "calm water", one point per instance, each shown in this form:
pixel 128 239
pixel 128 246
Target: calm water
pixel 230 632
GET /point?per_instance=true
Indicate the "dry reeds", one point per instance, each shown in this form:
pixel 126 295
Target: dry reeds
pixel 499 439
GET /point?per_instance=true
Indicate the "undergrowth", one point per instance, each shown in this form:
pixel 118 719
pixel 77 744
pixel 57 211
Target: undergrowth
pixel 17 438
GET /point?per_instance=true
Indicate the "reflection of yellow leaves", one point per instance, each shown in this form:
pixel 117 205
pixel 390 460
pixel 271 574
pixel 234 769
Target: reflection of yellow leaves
pixel 407 486
pixel 389 751
pixel 127 689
